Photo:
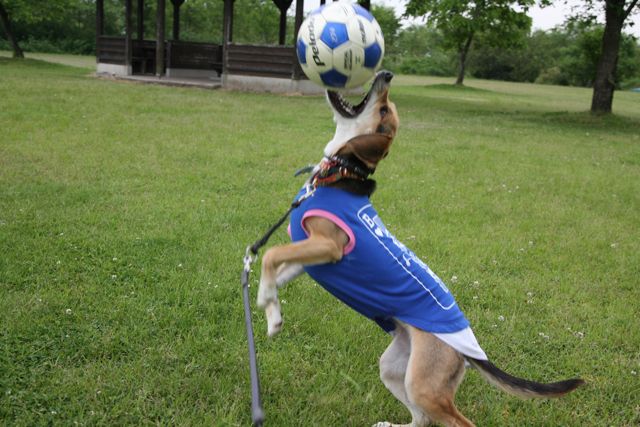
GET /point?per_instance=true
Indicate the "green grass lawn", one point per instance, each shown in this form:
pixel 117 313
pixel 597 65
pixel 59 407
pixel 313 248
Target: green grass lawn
pixel 125 210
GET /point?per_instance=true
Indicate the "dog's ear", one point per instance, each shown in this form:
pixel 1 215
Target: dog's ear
pixel 369 149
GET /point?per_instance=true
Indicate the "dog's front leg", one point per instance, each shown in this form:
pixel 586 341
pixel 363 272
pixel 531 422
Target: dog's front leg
pixel 268 293
pixel 287 272
pixel 317 249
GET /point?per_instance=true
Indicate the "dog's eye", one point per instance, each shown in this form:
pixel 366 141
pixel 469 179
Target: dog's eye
pixel 384 110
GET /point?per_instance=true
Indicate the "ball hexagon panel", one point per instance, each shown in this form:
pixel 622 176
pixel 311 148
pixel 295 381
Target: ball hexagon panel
pixel 361 31
pixel 359 77
pixel 348 57
pixel 372 55
pixel 334 34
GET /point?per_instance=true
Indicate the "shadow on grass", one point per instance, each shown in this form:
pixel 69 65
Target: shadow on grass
pixel 587 121
pixel 454 88
pixel 525 112
pixel 18 64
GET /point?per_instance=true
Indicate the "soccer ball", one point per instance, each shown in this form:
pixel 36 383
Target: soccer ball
pixel 340 45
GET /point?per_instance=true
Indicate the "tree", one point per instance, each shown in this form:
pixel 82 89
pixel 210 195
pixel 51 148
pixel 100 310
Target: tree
pixel 616 13
pixel 6 24
pixel 461 21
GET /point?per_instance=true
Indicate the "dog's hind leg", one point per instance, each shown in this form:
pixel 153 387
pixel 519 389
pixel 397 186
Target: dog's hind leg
pixel 433 374
pixel 393 365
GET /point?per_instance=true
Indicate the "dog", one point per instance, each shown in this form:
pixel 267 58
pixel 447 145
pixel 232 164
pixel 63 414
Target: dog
pixel 339 240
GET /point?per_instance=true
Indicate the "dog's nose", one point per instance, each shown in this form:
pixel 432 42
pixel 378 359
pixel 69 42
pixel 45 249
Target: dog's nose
pixel 387 75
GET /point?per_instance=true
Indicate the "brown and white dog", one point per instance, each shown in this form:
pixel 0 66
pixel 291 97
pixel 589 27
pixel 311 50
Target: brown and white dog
pixel 420 368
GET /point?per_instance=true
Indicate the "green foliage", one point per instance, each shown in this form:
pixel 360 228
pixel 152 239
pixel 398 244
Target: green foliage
pixel 500 23
pixel 257 21
pixel 579 58
pixel 125 211
pixel 563 56
pixel 419 49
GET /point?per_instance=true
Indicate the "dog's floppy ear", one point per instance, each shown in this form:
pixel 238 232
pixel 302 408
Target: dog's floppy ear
pixel 369 149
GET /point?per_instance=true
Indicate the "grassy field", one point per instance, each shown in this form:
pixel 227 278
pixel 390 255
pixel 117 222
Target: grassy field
pixel 125 210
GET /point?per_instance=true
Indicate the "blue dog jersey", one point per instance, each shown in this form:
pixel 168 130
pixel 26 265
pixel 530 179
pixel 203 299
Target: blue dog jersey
pixel 378 276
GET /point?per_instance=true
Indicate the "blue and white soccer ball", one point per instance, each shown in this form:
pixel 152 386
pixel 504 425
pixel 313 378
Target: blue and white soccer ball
pixel 340 45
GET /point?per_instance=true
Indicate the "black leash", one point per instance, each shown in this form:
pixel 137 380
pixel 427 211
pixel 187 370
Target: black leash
pixel 250 256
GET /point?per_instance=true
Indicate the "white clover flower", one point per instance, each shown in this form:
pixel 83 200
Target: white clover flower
pixel 68 311
pixel 454 279
pixel 501 318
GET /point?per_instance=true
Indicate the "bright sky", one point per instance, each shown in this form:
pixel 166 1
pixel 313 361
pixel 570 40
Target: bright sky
pixel 543 19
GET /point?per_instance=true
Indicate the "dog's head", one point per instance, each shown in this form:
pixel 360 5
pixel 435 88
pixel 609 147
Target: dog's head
pixel 366 130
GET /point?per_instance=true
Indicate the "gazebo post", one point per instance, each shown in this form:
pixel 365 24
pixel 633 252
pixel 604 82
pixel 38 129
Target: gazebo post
pixel 176 18
pixel 127 40
pixel 283 27
pixel 297 71
pixel 160 38
pixel 227 33
pixel 140 19
pixel 99 26
pixel 283 6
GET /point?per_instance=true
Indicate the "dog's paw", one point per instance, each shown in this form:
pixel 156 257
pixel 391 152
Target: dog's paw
pixel 274 319
pixel 382 424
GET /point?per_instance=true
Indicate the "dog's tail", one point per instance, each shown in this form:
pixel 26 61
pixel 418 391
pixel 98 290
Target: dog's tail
pixel 521 387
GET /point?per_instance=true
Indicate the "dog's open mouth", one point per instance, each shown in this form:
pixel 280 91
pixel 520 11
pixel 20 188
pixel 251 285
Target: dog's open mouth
pixel 347 109
pixel 344 107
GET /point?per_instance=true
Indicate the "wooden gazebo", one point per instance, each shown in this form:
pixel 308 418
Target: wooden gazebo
pixel 271 68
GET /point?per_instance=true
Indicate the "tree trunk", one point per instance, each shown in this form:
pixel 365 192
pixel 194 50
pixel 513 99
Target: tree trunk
pixel 604 83
pixel 463 59
pixel 6 23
